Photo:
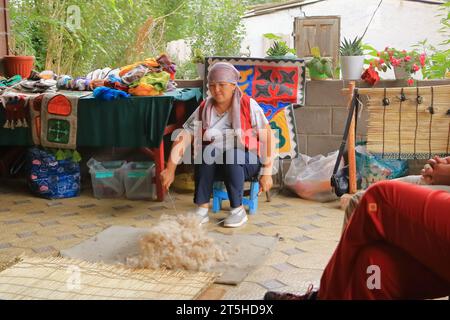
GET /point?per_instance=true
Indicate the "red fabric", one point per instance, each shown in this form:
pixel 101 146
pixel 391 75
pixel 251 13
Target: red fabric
pixel 402 228
pixel 246 123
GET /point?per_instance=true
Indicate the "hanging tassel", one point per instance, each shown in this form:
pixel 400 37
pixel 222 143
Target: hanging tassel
pixel 59 155
pixel 67 154
pixel 76 157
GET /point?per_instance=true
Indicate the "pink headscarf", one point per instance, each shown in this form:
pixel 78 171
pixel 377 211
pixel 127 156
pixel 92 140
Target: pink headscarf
pixel 224 72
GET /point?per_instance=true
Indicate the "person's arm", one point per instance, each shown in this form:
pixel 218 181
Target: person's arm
pixel 267 156
pixel 179 146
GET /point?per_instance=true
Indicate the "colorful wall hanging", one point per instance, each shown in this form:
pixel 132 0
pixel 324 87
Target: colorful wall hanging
pixel 54 120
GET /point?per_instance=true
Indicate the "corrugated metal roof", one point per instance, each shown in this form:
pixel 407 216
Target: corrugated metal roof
pixel 268 8
pixel 262 9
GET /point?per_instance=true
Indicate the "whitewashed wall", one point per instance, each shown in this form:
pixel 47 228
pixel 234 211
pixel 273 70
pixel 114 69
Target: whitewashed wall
pixel 397 23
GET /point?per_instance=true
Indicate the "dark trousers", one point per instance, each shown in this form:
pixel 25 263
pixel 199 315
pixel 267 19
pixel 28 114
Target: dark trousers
pixel 233 167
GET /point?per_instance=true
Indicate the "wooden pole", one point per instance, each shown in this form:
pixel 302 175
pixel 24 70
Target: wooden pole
pixel 351 144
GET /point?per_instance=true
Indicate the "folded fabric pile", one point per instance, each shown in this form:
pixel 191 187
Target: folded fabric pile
pixel 108 94
pixel 8 83
pixel 37 86
pixel 150 77
pixel 92 80
pixel 152 84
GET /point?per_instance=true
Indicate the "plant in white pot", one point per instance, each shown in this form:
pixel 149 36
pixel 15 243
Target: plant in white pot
pixel 199 59
pixel 352 59
pixel 279 48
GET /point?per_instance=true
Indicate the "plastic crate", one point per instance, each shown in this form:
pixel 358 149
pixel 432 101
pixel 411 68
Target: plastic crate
pixel 139 180
pixel 107 178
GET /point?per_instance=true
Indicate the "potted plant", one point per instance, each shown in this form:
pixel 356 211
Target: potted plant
pixel 319 68
pixel 199 59
pixel 20 60
pixel 279 49
pixel 352 58
pixel 404 63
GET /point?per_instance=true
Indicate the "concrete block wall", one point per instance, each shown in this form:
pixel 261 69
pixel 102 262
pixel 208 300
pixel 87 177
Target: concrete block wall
pixel 321 122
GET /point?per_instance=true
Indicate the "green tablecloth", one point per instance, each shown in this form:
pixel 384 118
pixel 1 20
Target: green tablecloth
pixel 134 122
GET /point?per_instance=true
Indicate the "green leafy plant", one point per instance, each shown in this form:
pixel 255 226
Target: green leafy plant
pixel 120 32
pixel 319 67
pixel 389 58
pixel 216 26
pixel 437 64
pixel 20 41
pixel 198 56
pixel 279 48
pixel 351 47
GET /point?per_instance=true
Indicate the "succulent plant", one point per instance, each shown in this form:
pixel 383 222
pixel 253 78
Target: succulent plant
pixel 320 66
pixel 351 47
pixel 279 48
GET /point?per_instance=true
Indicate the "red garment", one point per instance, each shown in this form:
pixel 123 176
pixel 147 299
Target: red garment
pixel 403 229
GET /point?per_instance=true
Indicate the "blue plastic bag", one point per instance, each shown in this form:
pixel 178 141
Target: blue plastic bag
pixel 50 178
pixel 373 169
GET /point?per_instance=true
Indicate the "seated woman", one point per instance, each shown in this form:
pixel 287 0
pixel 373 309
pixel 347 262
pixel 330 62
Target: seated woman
pixel 396 246
pixel 233 142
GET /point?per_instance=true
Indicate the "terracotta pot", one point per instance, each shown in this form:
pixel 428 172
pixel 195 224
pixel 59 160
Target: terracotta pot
pixel 21 65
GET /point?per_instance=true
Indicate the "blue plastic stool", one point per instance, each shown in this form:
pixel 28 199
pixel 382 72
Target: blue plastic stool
pixel 220 194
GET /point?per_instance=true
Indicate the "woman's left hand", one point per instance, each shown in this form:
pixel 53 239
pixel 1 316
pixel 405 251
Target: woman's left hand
pixel 265 183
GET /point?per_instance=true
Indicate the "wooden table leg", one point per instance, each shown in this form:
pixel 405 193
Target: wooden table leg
pixel 157 154
pixel 159 161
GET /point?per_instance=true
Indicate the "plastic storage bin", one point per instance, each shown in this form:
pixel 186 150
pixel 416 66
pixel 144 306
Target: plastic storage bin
pixel 139 180
pixel 107 178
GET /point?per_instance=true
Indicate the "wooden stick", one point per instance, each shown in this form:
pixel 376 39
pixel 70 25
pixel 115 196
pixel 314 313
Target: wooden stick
pixel 351 144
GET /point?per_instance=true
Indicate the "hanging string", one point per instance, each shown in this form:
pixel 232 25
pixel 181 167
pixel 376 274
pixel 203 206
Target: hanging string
pixel 402 98
pixel 431 109
pixel 371 18
pixel 448 138
pixel 385 104
pixel 417 121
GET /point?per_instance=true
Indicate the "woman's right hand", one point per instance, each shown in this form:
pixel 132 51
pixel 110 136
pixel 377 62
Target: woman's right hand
pixel 167 178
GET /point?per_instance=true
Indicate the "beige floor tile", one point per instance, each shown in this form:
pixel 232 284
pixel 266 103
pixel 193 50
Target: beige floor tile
pixel 310 256
pixel 310 260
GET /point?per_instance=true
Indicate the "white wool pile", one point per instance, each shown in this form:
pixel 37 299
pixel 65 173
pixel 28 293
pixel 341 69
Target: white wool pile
pixel 178 242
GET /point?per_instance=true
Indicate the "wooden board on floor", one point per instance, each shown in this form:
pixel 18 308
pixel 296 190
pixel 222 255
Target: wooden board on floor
pixel 212 293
